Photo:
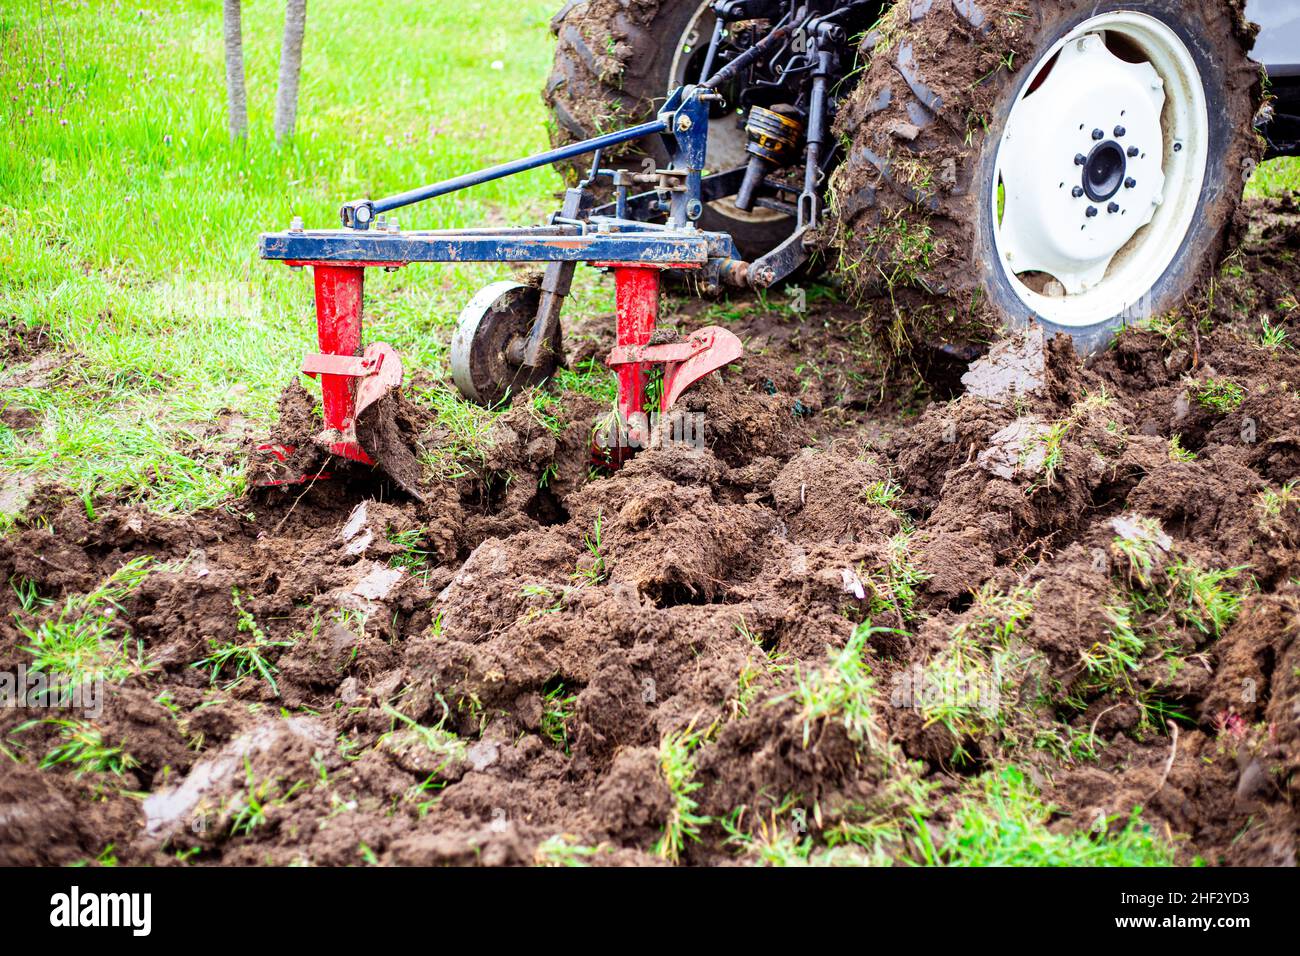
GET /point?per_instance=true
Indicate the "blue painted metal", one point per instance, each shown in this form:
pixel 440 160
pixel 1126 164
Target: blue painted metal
pixel 379 248
pixel 684 124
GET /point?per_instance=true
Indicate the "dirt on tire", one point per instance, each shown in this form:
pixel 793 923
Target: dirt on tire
pixel 911 199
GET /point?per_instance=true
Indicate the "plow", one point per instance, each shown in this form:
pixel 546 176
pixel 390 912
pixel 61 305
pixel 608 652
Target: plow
pixel 729 173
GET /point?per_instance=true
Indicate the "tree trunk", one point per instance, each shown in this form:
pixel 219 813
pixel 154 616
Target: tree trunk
pixel 234 42
pixel 286 99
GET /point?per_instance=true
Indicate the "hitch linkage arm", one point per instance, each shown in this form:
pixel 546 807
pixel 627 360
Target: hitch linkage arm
pixel 360 213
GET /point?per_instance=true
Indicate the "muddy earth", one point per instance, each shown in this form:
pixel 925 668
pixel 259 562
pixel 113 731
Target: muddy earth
pixel 829 620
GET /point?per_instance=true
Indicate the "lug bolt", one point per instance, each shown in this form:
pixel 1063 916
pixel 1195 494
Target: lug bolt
pixel 1077 192
pixel 1098 134
pixel 683 123
pixel 1092 212
pixel 1178 147
pixel 1080 159
pixel 1130 183
pixel 1133 151
pixel 1113 208
pixel 1120 131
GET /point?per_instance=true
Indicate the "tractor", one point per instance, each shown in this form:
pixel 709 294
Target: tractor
pixel 1074 164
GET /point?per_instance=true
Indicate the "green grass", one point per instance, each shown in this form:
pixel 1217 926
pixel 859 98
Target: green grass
pixel 246 658
pixel 439 742
pixel 1272 507
pixel 1218 395
pixel 677 763
pixel 843 690
pixel 1278 177
pixel 557 712
pixel 82 641
pixel 82 748
pixel 1160 607
pixel 969 687
pixel 129 222
pixel 1004 822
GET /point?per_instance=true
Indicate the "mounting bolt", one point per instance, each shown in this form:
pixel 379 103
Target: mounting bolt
pixel 296 224
pixel 1080 159
pixel 1092 212
pixel 1133 151
pixel 392 225
pixel 683 123
pixel 1113 208
pixel 381 222
pixel 1130 183
pixel 1120 131
pixel 1098 134
pixel 1077 192
pixel 1178 146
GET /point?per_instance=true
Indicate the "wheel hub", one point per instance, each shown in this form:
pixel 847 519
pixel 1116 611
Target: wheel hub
pixel 1103 173
pixel 1081 164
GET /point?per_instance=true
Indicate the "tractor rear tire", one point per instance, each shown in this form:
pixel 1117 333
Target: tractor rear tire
pixel 923 199
pixel 615 63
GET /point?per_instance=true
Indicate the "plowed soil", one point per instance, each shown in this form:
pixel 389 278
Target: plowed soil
pixel 554 627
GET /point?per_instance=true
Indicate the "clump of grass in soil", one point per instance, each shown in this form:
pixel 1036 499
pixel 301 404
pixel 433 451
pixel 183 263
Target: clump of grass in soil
pixel 557 711
pixel 971 687
pixel 246 658
pixel 82 748
pixel 411 558
pixel 843 690
pixel 250 809
pixel 1177 452
pixel 446 748
pixel 591 565
pixel 1002 821
pixel 677 764
pixel 1217 395
pixel 84 640
pixel 1271 506
pixel 1163 607
pixel 564 850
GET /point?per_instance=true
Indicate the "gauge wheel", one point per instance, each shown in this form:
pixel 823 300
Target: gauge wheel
pixel 495 320
pixel 615 64
pixel 1076 164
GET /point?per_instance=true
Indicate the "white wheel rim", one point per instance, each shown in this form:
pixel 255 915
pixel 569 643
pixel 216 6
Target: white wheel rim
pixel 727 138
pixel 1070 265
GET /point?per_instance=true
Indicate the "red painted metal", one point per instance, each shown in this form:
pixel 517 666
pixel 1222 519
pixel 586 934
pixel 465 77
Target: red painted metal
pixel 338 330
pixel 685 363
pixel 352 365
pixel 283 453
pixel 636 295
